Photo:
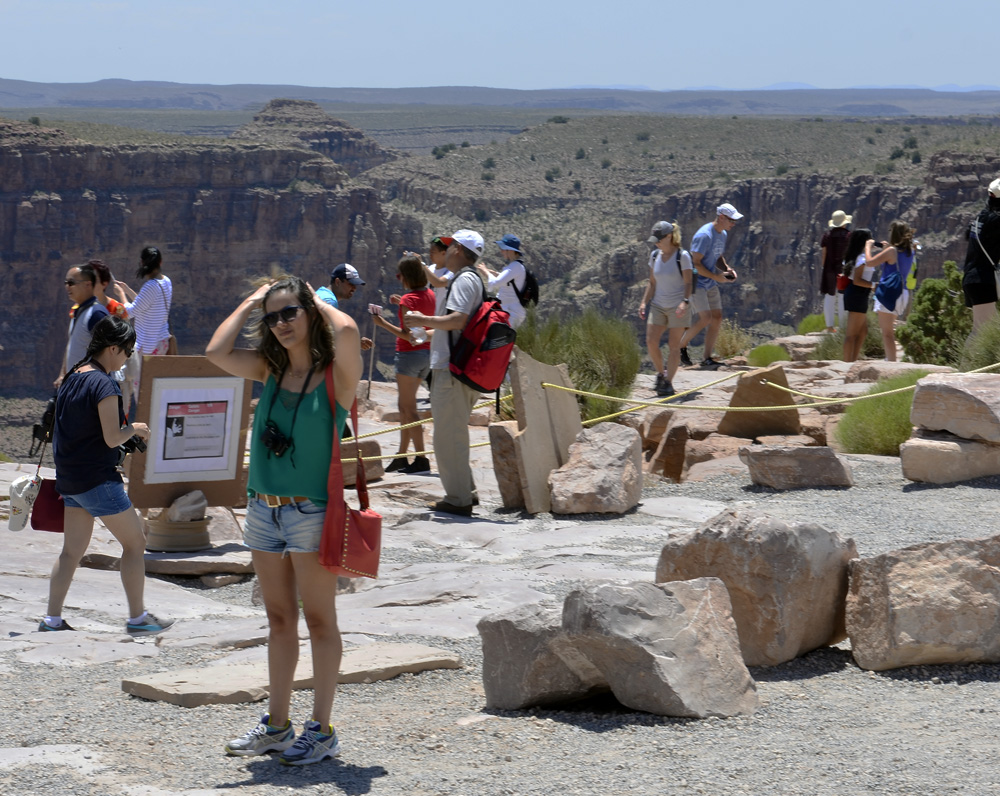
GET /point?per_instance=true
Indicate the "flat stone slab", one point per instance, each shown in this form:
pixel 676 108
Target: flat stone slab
pixel 248 682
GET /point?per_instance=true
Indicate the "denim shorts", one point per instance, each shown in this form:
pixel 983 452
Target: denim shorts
pixel 104 500
pixel 295 528
pixel 413 363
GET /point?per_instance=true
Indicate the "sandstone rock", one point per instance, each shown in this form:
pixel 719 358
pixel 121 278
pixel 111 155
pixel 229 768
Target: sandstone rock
pixel 964 404
pixel 707 471
pixel 751 391
pixel 505 463
pixel 548 422
pixel 814 425
pixel 373 467
pixel 653 426
pixel 787 440
pixel 217 581
pixel 714 446
pixel 800 347
pixel 603 474
pixel 520 666
pixel 248 682
pixel 926 604
pixel 668 458
pixel 787 582
pixel 787 467
pixel 873 370
pixel 943 459
pixel 669 649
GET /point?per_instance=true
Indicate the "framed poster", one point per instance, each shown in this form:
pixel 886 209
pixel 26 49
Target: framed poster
pixel 198 416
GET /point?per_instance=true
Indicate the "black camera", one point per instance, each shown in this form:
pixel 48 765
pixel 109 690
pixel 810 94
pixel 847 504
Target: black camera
pixel 272 439
pixel 41 433
pixel 131 445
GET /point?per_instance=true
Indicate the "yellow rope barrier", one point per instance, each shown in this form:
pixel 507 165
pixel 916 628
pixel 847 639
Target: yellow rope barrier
pixel 660 401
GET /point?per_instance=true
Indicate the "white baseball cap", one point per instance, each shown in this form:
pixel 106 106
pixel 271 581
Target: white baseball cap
pixel 472 241
pixel 729 211
pixel 23 492
pixel 995 188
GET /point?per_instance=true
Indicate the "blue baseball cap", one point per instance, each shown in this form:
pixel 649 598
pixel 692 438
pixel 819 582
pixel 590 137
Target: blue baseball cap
pixel 510 243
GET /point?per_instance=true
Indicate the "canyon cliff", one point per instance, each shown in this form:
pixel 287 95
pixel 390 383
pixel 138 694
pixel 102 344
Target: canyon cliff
pixel 300 191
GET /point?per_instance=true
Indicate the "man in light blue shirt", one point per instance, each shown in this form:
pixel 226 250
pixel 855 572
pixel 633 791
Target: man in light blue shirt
pixel 344 281
pixel 707 247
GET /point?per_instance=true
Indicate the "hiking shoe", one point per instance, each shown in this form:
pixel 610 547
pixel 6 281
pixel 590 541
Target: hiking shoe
pixel 397 465
pixel 420 464
pixel 450 508
pixel 44 628
pixel 685 359
pixel 663 386
pixel 149 626
pixel 262 739
pixel 710 364
pixel 312 746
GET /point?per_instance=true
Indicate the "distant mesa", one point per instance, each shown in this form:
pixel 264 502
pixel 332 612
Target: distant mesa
pixel 302 124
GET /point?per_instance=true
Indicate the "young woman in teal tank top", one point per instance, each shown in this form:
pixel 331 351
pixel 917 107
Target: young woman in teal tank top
pixel 297 337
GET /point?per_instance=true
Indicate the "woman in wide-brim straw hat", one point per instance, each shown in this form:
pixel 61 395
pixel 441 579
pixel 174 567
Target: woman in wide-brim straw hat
pixel 832 248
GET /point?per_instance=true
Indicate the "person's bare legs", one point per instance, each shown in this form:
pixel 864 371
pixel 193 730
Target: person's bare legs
pixel 318 589
pixel 674 353
pixel 700 322
pixel 406 400
pixel 829 305
pixel 712 334
pixel 78 527
pixel 653 337
pixel 855 335
pixel 981 313
pixel 127 529
pixel 277 586
pixel 887 324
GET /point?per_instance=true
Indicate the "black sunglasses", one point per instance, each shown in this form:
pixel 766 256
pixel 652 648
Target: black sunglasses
pixel 70 282
pixel 286 315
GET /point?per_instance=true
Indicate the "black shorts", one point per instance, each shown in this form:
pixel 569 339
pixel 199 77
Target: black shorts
pixel 856 298
pixel 984 292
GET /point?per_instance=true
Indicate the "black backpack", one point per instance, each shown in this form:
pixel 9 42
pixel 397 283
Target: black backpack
pixel 529 293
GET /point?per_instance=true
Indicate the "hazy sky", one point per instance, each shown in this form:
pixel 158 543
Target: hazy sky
pixel 515 44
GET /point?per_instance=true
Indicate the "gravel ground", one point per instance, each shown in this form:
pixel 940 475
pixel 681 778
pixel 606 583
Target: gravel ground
pixel 824 726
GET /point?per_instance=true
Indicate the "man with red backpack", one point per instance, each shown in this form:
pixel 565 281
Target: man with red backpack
pixel 451 399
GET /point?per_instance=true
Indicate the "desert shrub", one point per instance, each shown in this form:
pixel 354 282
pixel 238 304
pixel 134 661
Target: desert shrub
pixel 487 176
pixel 553 174
pixel 35 121
pixel 939 322
pixel 466 145
pixel 782 169
pixel 482 215
pixel 880 425
pixel 764 355
pixel 605 238
pixel 916 158
pixel 733 340
pixel 581 153
pixel 559 119
pixel 489 163
pixel 601 352
pixel 984 347
pixel 605 163
pixel 896 153
pixel 811 323
pixel 643 136
pixel 577 186
pixel 910 142
pixel 831 346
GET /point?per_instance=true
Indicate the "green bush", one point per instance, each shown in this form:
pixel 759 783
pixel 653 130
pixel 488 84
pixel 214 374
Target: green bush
pixel 764 355
pixel 602 354
pixel 811 323
pixel 733 340
pixel 880 425
pixel 832 345
pixel 939 322
pixel 984 348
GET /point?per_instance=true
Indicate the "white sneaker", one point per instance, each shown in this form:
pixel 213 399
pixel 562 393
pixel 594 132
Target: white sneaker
pixel 262 739
pixel 312 746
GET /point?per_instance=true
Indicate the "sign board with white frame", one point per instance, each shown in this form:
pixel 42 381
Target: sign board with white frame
pixel 198 417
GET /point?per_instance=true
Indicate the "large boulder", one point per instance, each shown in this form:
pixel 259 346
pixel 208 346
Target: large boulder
pixel 670 649
pixel 603 474
pixel 869 370
pixel 795 467
pixel 754 389
pixel 787 582
pixel 941 458
pixel 520 665
pixel 964 404
pixel 667 458
pixel 925 604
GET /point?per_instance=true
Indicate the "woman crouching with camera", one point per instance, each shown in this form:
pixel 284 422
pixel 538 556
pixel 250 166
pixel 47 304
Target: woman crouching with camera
pixel 88 432
pixel 290 449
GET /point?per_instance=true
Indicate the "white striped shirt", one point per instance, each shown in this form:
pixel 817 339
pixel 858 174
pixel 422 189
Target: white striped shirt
pixel 149 313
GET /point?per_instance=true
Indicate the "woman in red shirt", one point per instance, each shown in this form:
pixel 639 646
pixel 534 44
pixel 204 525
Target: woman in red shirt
pixel 413 359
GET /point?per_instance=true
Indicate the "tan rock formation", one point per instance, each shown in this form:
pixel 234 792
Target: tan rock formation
pixel 603 474
pixel 796 467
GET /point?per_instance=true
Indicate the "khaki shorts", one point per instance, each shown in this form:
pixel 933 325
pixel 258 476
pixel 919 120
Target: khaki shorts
pixel 706 299
pixel 668 317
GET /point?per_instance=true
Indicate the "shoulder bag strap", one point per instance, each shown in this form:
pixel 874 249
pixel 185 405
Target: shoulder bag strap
pixel 472 271
pixel 335 480
pixel 977 228
pixel 163 295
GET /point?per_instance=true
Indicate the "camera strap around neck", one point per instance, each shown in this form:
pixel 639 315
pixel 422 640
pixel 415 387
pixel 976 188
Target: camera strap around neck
pixel 295 412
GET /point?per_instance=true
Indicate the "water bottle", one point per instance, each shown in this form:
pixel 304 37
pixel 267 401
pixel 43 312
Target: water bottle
pixel 419 334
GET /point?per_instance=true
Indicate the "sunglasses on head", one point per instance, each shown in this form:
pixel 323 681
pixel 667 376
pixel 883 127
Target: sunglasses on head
pixel 284 315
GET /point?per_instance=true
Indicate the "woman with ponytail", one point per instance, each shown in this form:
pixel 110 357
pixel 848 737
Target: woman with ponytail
pixel 149 309
pixel 89 428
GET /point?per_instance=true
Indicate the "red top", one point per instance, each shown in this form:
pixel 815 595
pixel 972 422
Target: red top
pixel 421 301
